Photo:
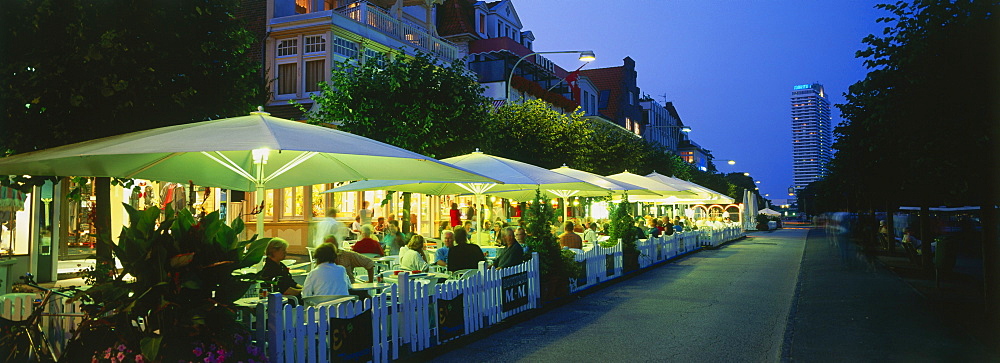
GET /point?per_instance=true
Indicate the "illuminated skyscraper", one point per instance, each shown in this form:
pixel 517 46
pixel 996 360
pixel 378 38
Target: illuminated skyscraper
pixel 812 137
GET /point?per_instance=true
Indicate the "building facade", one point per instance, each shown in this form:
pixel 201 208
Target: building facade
pixel 663 124
pixel 812 135
pixel 618 95
pixel 491 36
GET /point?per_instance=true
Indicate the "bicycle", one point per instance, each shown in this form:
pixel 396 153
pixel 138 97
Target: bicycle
pixel 25 341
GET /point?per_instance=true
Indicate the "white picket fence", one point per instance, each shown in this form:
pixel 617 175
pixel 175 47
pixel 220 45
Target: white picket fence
pixel 58 329
pixel 413 314
pixel 405 317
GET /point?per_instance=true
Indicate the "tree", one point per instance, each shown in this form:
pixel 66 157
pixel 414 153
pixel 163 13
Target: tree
pixel 78 70
pixel 410 102
pixel 544 137
pixel 921 127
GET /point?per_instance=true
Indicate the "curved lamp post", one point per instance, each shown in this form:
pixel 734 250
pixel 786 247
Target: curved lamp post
pixel 585 55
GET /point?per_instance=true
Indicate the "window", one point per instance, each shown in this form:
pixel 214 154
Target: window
pixel 499 28
pixel 315 72
pixel 288 47
pixel 603 102
pixel 374 55
pixel 287 78
pixel 482 23
pixel 315 44
pixel 593 104
pixel 586 103
pixel 345 47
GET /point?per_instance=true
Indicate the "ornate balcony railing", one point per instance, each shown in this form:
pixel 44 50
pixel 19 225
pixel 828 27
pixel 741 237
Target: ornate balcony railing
pixel 404 31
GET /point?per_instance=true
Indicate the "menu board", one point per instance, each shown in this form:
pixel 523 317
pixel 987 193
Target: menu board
pixel 351 339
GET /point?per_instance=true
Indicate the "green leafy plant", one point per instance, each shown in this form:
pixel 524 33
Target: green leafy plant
pixel 538 220
pixel 177 276
pixel 622 227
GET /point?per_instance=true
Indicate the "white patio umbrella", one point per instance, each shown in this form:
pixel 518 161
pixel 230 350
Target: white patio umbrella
pixel 607 185
pixel 511 175
pixel 248 153
pixel 770 212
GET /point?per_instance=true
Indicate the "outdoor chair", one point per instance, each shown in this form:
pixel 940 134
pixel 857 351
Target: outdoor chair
pixel 316 300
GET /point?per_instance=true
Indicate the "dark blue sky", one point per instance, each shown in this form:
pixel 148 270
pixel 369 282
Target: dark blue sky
pixel 728 66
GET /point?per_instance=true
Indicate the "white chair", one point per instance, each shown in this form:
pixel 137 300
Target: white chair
pixel 465 274
pixel 316 300
pixel 311 251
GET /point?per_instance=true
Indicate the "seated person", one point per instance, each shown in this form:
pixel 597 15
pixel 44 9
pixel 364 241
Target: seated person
pixel 390 230
pixel 590 235
pixel 448 241
pixel 570 239
pixel 413 258
pixel 909 238
pixel 397 243
pixel 327 277
pixel 367 244
pixel 277 273
pixel 513 253
pixel 464 255
pixel 350 259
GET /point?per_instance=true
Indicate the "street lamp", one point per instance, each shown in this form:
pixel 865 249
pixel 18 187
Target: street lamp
pixel 585 55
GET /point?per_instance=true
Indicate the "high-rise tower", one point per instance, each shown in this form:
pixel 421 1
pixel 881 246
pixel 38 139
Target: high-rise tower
pixel 812 138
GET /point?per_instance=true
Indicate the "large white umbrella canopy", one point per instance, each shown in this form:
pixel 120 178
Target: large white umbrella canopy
pixel 242 153
pixel 770 212
pixel 511 175
pixel 703 195
pixel 665 190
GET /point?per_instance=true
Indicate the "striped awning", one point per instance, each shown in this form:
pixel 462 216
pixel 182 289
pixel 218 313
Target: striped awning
pixel 12 199
pixel 497 104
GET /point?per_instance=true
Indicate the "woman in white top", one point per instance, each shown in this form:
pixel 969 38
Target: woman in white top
pixel 412 258
pixel 327 277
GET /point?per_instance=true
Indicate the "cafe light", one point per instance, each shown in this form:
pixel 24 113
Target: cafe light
pixel 587 56
pixel 260 155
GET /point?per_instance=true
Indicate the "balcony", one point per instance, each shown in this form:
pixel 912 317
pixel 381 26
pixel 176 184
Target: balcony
pixel 407 32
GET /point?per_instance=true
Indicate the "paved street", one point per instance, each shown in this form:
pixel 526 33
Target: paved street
pixel 739 303
pixel 729 304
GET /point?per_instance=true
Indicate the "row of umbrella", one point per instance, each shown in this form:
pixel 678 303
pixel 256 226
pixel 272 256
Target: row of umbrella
pixel 258 152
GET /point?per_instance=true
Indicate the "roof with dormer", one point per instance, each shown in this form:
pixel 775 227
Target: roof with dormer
pixel 607 79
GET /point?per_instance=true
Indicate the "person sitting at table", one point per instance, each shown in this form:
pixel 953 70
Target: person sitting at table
pixel 350 259
pixel 398 243
pixel 468 227
pixel 367 244
pixel 570 239
pixel 390 230
pixel 380 225
pixel 326 277
pixel 655 230
pixel 678 224
pixel 521 235
pixel 513 254
pixel 441 255
pixel 464 255
pixel 668 228
pixel 590 235
pixel 413 258
pixel 356 225
pixel 276 272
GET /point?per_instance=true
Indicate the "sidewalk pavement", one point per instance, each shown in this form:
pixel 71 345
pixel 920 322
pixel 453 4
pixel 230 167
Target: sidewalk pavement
pixel 851 306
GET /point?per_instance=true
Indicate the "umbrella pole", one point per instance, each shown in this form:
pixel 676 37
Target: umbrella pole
pixel 479 220
pixel 260 214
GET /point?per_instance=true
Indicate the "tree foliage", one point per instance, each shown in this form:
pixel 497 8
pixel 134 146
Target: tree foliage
pixel 921 127
pixel 410 102
pixel 77 70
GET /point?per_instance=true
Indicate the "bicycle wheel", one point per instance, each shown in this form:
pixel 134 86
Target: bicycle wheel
pixel 22 342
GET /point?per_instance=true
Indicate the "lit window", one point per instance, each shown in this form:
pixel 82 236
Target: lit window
pixel 345 47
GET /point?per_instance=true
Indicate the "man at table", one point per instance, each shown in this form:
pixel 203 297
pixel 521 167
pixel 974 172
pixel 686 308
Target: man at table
pixel 513 254
pixel 570 239
pixel 276 272
pixel 327 277
pixel 521 235
pixel 367 244
pixel 441 259
pixel 464 255
pixel 591 234
pixel 350 259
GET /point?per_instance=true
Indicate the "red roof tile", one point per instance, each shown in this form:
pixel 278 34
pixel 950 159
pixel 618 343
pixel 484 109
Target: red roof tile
pixel 607 79
pixel 456 17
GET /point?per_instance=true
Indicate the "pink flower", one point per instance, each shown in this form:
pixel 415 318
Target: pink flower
pixel 139 358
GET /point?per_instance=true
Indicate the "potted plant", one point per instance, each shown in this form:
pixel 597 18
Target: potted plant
pixel 622 228
pixel 172 300
pixel 557 265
